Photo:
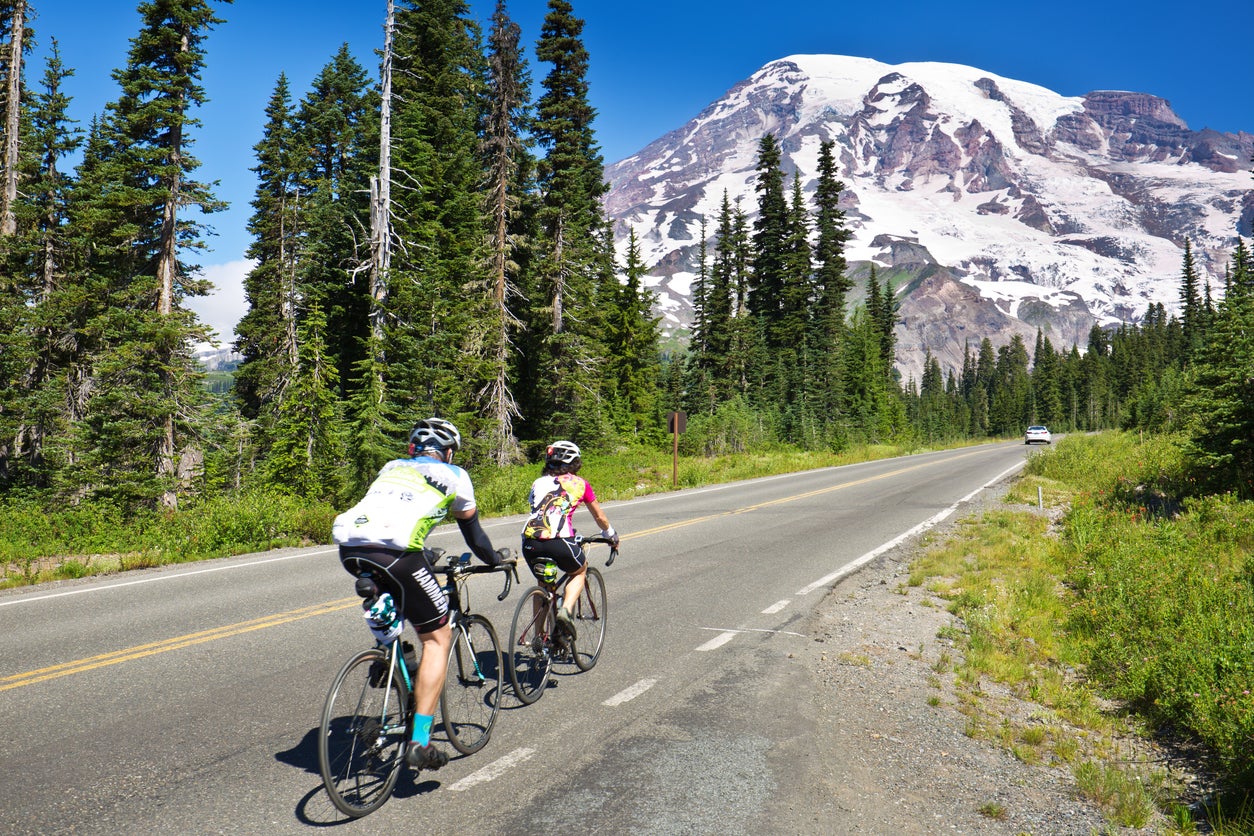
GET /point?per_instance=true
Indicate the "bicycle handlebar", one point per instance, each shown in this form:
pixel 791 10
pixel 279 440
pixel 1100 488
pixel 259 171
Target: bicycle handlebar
pixel 459 565
pixel 607 541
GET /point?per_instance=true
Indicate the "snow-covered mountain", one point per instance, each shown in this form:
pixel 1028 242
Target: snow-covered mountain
pixel 996 206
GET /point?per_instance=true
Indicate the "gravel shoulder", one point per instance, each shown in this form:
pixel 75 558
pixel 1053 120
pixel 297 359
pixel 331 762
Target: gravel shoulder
pixel 896 757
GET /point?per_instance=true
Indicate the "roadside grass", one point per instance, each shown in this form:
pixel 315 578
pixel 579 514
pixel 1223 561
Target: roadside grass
pixel 1125 607
pixel 41 545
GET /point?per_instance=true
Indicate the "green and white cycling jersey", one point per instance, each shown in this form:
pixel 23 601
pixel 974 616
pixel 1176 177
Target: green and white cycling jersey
pixel 406 500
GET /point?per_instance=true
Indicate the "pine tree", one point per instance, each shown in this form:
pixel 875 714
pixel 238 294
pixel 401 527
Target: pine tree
pixel 1221 405
pixel 631 342
pixel 146 383
pixel 267 331
pixel 770 241
pixel 574 257
pixel 14 14
pixel 37 342
pixel 833 284
pixel 335 143
pixel 1190 301
pixel 307 454
pixel 509 166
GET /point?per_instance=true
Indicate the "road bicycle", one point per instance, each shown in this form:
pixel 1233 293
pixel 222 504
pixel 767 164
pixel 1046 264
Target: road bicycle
pixel 368 714
pixel 536 643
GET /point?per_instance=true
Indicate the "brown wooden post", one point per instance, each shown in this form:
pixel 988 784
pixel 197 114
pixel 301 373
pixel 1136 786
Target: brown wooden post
pixel 676 422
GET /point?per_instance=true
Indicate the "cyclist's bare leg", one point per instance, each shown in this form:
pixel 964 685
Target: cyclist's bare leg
pixel 574 588
pixel 431 669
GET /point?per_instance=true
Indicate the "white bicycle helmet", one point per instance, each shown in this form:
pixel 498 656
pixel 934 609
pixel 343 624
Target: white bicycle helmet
pixel 434 434
pixel 562 454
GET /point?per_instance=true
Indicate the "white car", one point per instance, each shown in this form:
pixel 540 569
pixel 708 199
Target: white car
pixel 1037 434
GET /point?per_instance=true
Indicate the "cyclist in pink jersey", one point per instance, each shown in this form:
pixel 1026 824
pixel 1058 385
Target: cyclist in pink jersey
pixel 549 533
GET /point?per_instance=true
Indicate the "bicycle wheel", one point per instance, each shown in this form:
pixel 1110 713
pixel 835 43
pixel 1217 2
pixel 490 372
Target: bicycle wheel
pixel 589 613
pixel 472 684
pixel 530 652
pixel 361 741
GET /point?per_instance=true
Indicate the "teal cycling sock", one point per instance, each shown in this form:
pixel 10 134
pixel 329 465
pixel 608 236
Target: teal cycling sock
pixel 422 729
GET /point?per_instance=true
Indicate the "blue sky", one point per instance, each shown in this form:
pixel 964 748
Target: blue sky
pixel 656 63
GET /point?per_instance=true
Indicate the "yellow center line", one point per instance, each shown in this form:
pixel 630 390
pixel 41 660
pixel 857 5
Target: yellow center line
pixel 118 656
pixel 105 659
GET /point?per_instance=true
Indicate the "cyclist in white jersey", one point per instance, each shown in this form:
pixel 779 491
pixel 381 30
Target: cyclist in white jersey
pixel 384 534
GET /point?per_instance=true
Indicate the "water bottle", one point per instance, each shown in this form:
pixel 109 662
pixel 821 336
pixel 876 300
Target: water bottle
pixel 383 619
pixel 548 571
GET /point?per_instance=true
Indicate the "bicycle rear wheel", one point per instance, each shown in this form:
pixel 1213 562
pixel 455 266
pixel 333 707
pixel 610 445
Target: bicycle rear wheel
pixel 589 614
pixel 361 741
pixel 530 650
pixel 472 684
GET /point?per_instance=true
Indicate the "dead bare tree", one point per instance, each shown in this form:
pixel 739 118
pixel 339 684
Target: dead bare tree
pixel 12 118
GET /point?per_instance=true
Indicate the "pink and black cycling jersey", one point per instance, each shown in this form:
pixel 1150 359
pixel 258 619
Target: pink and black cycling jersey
pixel 553 502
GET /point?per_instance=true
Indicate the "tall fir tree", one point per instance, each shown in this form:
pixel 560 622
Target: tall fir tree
pixel 436 361
pixel 833 285
pixel 574 255
pixel 509 165
pixel 37 340
pixel 142 416
pixel 631 356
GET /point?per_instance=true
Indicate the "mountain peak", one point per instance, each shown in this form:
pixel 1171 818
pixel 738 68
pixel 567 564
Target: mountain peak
pixel 1059 212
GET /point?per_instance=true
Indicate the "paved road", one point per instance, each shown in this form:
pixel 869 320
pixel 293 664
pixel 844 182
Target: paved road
pixel 186 699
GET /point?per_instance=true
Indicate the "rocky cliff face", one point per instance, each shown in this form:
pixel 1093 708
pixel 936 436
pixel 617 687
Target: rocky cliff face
pixel 1006 207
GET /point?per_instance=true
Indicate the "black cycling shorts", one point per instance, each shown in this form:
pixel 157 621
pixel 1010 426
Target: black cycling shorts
pixel 564 551
pixel 408 576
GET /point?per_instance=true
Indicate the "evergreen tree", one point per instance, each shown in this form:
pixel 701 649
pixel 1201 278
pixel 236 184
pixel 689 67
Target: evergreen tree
pixel 267 331
pixel 509 166
pixel 770 242
pixel 146 383
pixel 1191 301
pixel 833 284
pixel 574 255
pixel 631 342
pixel 335 142
pixel 37 341
pixel 1221 406
pixel 307 455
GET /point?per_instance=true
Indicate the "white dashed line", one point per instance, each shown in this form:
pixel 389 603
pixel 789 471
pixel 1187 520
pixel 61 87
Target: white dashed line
pixel 776 607
pixel 718 641
pixel 630 693
pixel 493 770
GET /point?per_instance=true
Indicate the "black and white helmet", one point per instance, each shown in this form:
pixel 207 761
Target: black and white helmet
pixel 434 434
pixel 562 454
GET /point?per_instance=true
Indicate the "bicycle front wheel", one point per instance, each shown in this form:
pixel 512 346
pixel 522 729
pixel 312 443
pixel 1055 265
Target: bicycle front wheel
pixel 472 684
pixel 530 650
pixel 589 614
pixel 362 737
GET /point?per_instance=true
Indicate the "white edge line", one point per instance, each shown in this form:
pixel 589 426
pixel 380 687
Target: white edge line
pixel 155 578
pixel 493 770
pixel 630 693
pixel 923 526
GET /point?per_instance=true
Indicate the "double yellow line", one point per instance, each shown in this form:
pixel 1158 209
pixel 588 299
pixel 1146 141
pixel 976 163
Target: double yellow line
pixel 116 657
pixel 81 665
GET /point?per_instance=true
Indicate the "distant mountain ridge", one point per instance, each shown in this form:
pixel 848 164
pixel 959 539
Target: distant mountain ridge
pixel 995 205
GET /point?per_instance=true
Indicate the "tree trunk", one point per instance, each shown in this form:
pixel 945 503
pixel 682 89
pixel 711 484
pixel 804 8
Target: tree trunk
pixel 12 120
pixel 381 192
pixel 167 267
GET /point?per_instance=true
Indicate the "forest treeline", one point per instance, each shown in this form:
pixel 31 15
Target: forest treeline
pixel 429 237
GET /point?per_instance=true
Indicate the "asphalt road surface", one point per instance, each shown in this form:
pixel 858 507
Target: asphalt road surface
pixel 186 699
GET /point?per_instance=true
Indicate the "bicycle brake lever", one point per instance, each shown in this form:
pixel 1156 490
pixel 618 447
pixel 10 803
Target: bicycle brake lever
pixel 613 554
pixel 510 577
